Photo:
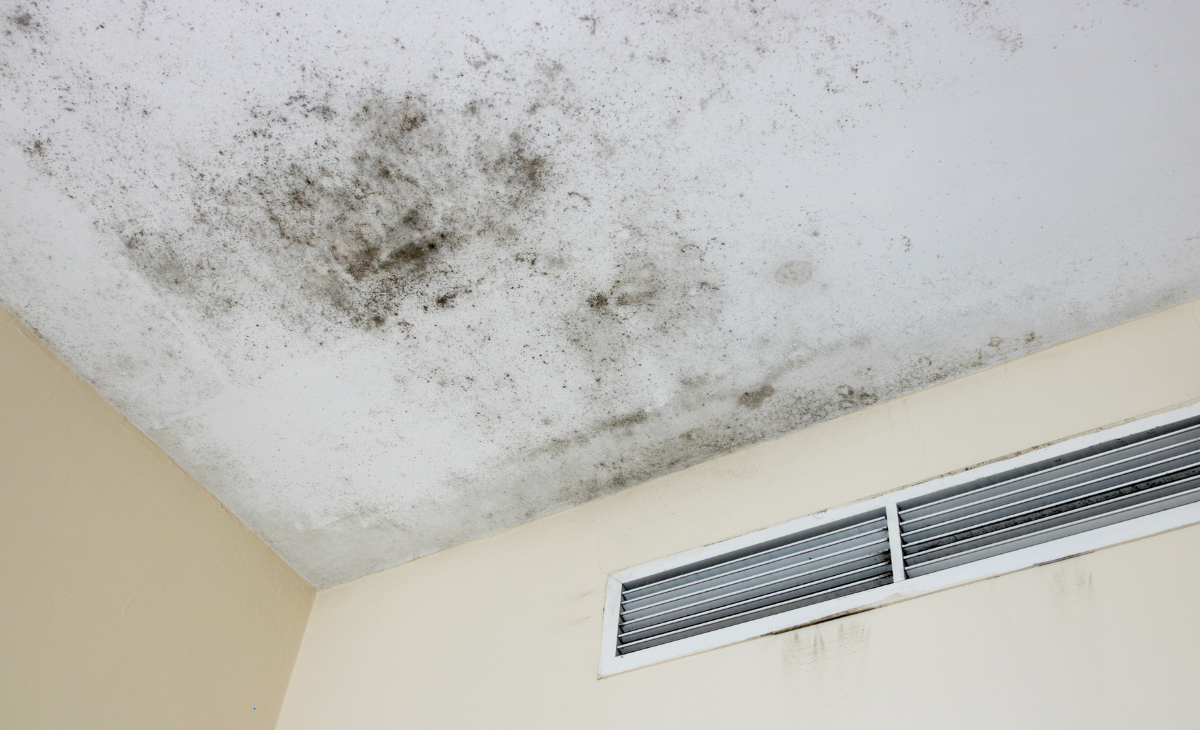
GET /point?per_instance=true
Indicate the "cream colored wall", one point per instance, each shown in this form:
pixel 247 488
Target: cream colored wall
pixel 129 597
pixel 504 632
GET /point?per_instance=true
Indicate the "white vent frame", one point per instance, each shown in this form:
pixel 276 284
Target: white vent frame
pixel 902 588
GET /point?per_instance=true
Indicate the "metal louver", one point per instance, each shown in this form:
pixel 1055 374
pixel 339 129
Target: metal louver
pixel 770 578
pixel 1062 500
pixel 1081 491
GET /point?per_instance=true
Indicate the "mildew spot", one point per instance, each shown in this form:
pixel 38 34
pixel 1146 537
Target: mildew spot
pixel 37 148
pixel 364 201
pixel 447 300
pixel 626 421
pixel 984 17
pixel 794 273
pixel 587 259
pixel 641 284
pixel 754 398
pixel 814 648
pixel 851 398
pixel 22 19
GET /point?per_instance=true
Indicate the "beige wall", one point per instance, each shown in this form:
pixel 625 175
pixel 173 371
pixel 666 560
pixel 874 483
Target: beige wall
pixel 504 632
pixel 129 597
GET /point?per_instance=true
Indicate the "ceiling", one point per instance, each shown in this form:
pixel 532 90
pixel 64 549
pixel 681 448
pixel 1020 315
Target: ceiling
pixel 386 277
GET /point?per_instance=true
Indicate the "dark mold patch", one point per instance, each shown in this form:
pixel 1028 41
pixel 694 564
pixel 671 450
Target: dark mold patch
pixel 446 300
pixel 23 19
pixel 362 203
pixel 754 398
pixel 626 421
pixel 519 171
pixel 794 273
pixel 23 25
pixel 642 283
pixel 851 398
pixel 37 148
pixel 985 18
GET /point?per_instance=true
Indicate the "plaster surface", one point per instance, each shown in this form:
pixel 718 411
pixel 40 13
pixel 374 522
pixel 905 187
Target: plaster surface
pixel 389 276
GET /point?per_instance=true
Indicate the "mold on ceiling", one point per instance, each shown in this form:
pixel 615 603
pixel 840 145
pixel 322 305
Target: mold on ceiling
pixel 389 276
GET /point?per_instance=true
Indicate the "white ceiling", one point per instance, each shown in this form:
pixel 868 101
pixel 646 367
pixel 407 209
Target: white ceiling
pixel 388 276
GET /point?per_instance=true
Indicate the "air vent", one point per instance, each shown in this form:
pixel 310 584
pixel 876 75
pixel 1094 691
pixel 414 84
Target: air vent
pixel 799 570
pixel 1109 483
pixel 1066 499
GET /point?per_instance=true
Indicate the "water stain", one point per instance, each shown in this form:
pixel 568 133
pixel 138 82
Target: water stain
pixel 824 647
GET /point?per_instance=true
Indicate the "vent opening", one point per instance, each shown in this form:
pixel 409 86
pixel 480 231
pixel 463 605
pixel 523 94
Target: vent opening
pixel 1073 497
pixel 1112 482
pixel 771 578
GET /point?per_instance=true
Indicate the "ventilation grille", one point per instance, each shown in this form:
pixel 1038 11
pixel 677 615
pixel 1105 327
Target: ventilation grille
pixel 1104 484
pixel 766 579
pixel 1082 491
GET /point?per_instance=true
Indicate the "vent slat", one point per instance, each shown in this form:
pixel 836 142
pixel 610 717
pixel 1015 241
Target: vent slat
pixel 1103 484
pixel 1094 522
pixel 757 555
pixel 981 500
pixel 866 583
pixel 1042 525
pixel 837 559
pixel 746 589
pixel 1113 500
pixel 1034 504
pixel 1085 490
pixel 872 542
pixel 747 604
pixel 1096 457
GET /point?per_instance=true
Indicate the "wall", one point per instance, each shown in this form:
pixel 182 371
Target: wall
pixel 504 632
pixel 129 597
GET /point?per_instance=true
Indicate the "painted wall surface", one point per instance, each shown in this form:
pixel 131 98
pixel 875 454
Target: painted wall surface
pixel 129 597
pixel 504 632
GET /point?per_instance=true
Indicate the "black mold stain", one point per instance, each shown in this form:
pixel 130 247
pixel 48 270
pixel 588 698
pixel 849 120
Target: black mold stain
pixel 851 398
pixel 794 273
pixel 361 202
pixel 616 466
pixel 642 284
pixel 626 421
pixel 521 171
pixel 37 148
pixel 754 398
pixel 23 19
pixel 23 23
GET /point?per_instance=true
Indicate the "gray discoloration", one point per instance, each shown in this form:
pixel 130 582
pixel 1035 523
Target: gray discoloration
pixel 829 647
pixel 367 201
pixel 1072 583
pixel 22 19
pixel 404 277
pixel 1074 590
pixel 794 273
pixel 992 21
pixel 754 398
